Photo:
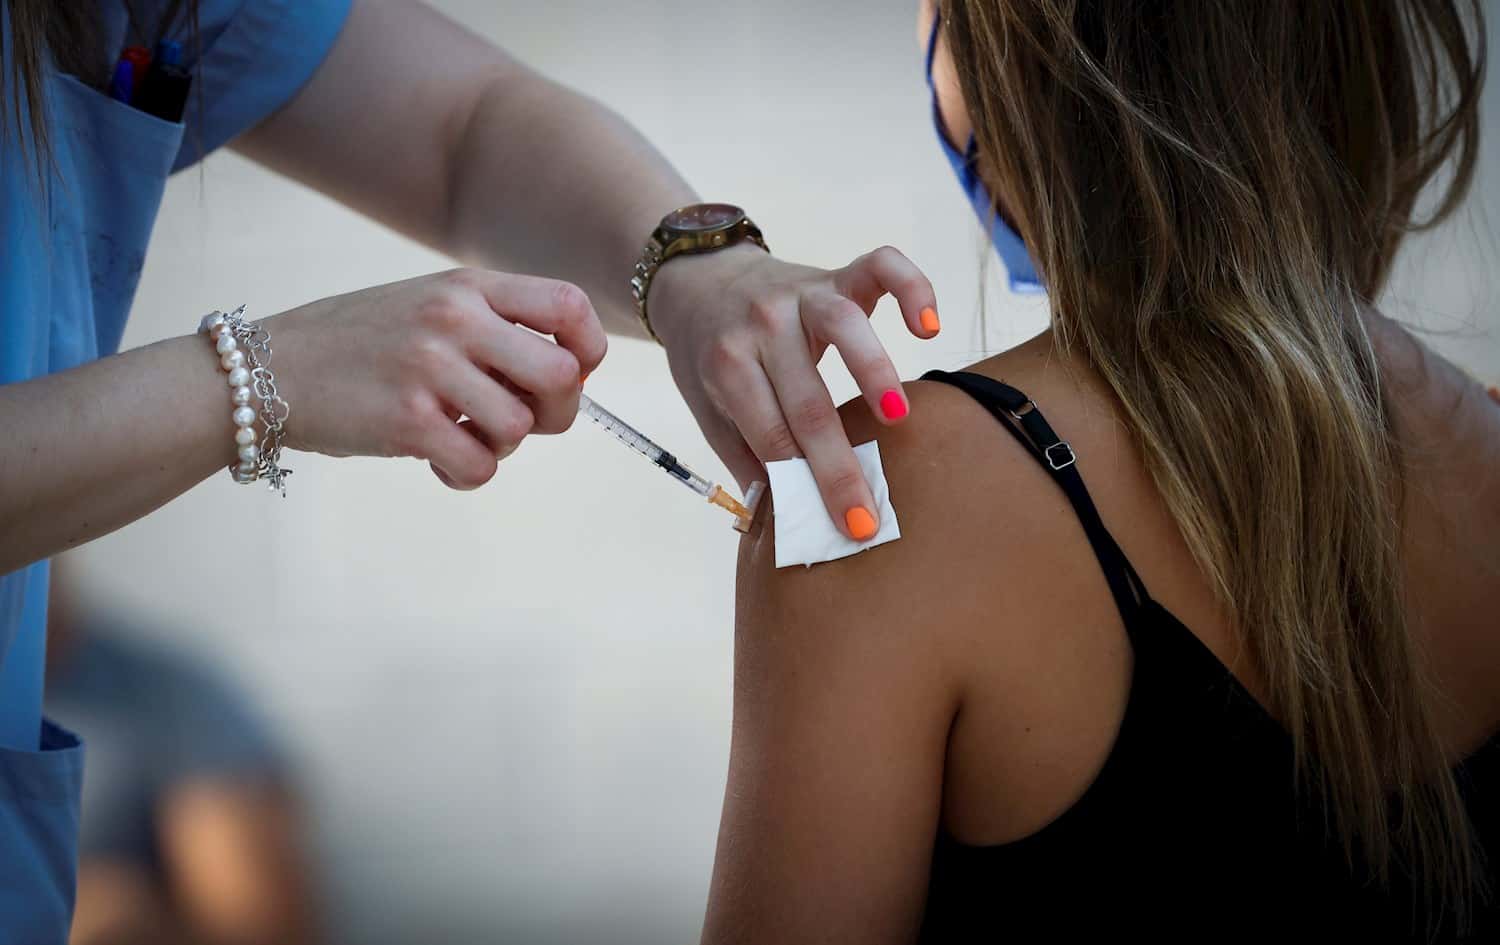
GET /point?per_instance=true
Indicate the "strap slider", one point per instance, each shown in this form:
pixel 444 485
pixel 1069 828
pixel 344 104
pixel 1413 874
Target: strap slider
pixel 1063 456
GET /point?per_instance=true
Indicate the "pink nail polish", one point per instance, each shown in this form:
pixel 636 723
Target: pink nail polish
pixel 893 405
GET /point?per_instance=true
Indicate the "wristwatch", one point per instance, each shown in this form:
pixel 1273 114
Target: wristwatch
pixel 698 228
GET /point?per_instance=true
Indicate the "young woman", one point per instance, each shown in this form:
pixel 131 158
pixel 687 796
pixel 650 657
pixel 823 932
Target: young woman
pixel 396 111
pixel 1194 628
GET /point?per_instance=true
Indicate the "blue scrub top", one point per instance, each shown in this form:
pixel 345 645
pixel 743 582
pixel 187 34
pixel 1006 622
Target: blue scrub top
pixel 71 252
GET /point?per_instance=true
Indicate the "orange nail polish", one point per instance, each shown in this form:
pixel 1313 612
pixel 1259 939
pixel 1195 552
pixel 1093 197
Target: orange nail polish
pixel 930 320
pixel 861 523
pixel 584 379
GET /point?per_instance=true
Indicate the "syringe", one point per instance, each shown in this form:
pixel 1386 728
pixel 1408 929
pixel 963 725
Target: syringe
pixel 639 442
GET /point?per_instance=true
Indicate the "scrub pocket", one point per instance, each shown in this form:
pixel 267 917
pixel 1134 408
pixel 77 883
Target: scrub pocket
pixel 113 161
pixel 39 800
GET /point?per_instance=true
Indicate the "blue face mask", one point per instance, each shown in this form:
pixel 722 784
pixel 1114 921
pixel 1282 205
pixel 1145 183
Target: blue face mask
pixel 1007 242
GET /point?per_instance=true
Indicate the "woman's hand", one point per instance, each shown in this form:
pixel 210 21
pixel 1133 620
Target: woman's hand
pixel 389 371
pixel 744 332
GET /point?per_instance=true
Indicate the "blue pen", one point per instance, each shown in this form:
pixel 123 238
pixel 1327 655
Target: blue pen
pixel 169 53
pixel 122 85
pixel 165 91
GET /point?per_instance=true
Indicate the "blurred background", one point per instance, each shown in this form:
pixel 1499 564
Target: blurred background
pixel 504 716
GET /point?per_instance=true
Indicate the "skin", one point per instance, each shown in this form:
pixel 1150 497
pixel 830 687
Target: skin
pixel 427 145
pixel 971 677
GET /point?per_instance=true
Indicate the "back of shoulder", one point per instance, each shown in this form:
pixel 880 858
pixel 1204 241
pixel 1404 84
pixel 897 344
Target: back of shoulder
pixel 986 535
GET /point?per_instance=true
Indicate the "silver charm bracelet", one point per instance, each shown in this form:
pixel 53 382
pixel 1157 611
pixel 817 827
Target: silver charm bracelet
pixel 244 350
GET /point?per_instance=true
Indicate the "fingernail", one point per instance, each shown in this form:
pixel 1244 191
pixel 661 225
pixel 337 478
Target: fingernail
pixel 861 523
pixel 893 405
pixel 930 320
pixel 583 379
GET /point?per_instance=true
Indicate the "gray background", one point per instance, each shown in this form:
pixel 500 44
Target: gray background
pixel 511 708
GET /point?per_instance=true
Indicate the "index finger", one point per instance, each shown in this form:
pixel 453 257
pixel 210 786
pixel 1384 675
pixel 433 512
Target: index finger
pixel 815 423
pixel 550 306
pixel 888 271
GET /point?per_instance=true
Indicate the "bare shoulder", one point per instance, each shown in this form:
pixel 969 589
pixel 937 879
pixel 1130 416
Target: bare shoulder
pixel 933 465
pixel 980 535
pixel 893 599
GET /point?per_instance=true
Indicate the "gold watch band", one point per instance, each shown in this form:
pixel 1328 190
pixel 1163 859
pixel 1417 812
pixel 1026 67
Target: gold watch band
pixel 666 244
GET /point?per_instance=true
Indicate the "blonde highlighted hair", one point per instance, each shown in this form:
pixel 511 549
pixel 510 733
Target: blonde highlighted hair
pixel 1213 191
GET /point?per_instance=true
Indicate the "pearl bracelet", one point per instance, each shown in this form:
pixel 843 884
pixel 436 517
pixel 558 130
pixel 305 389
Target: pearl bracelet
pixel 245 354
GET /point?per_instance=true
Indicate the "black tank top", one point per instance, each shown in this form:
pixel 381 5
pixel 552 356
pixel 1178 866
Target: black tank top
pixel 1193 829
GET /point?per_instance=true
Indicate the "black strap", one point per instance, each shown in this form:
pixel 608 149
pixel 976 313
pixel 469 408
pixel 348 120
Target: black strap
pixel 1019 414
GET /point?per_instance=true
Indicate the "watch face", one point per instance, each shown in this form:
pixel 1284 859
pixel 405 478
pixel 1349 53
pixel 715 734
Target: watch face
pixel 702 217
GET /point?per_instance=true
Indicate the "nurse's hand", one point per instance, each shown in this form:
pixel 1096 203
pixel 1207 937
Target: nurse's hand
pixel 744 332
pixel 455 368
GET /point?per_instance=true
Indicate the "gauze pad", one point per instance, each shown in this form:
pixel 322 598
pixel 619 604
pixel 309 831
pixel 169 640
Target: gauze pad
pixel 805 534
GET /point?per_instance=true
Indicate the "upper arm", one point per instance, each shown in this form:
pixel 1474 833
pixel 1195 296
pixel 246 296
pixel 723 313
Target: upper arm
pixel 378 126
pixel 844 693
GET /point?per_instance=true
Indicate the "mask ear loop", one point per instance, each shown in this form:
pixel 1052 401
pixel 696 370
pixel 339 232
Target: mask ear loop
pixel 1006 240
pixel 932 38
pixel 971 151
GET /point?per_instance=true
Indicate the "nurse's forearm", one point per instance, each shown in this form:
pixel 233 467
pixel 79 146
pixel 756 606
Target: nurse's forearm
pixel 86 451
pixel 550 182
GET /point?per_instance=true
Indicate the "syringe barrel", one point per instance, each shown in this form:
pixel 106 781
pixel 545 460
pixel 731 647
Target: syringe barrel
pixel 638 441
pixel 622 431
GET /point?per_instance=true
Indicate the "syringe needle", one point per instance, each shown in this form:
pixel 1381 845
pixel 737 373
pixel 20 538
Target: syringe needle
pixel 625 433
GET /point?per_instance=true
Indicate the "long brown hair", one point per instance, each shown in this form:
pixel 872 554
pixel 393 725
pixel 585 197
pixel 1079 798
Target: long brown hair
pixel 68 33
pixel 1213 192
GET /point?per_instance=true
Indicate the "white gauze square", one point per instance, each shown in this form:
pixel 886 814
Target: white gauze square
pixel 805 534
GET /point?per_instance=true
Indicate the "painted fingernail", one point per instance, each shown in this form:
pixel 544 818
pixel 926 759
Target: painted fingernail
pixel 893 405
pixel 930 320
pixel 861 523
pixel 583 379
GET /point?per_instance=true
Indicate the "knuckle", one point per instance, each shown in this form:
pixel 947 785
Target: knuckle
pixel 813 416
pixel 443 312
pixel 874 367
pixel 555 421
pixel 482 470
pixel 559 373
pixel 765 315
pixel 570 302
pixel 910 283
pixel 513 427
pixel 413 406
pixel 473 474
pixel 595 357
pixel 846 313
pixel 505 452
pixel 844 481
pixel 722 358
pixel 425 358
pixel 779 442
pixel 463 279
